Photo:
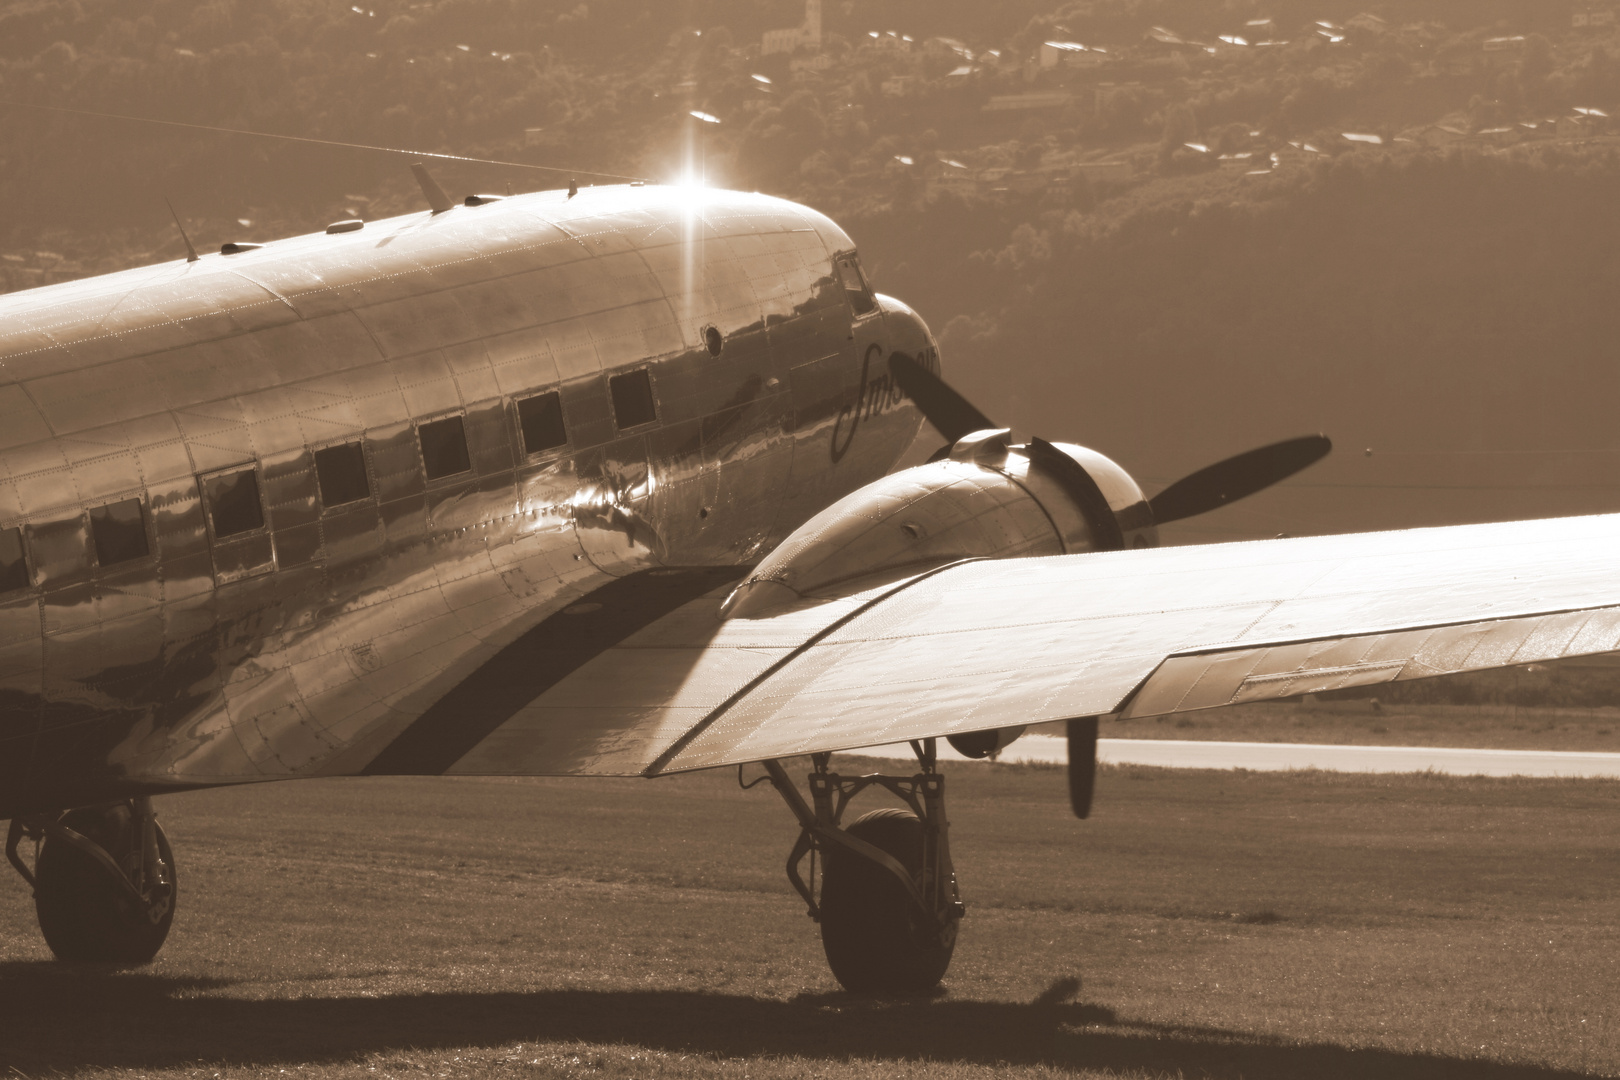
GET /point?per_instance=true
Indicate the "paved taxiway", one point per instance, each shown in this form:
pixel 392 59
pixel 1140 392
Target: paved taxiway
pixel 1196 754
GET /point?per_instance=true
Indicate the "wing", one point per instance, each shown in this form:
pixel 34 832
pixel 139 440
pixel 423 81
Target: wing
pixel 987 644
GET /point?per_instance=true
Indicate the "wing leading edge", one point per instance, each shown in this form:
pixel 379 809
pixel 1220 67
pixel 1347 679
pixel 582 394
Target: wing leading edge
pixel 988 644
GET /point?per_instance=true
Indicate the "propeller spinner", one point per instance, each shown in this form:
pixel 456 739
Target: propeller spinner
pixel 1207 489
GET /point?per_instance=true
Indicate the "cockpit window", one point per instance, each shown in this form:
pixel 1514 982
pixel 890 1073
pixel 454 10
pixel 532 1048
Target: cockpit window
pixel 855 287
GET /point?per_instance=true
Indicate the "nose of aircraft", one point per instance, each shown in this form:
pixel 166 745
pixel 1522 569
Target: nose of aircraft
pixel 907 333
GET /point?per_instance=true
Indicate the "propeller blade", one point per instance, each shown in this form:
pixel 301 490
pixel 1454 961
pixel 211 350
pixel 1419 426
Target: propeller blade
pixel 1082 764
pixel 947 410
pixel 1230 480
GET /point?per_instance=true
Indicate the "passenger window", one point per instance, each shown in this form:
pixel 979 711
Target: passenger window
pixel 633 399
pixel 855 287
pixel 233 503
pixel 341 472
pixel 444 447
pixel 541 419
pixel 119 530
pixel 13 567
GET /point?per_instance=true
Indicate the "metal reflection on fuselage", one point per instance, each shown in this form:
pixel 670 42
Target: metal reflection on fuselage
pixel 302 641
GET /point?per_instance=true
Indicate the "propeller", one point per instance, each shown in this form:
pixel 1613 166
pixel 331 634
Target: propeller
pixel 1230 480
pixel 1082 732
pixel 1207 489
pixel 951 413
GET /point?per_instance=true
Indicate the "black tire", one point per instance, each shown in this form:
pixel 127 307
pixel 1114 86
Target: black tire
pixel 876 940
pixel 83 913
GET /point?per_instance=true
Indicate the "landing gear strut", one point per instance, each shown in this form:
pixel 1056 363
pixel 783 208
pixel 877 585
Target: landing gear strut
pixel 888 904
pixel 103 881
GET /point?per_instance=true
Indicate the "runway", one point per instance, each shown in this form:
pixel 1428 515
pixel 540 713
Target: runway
pixel 1197 754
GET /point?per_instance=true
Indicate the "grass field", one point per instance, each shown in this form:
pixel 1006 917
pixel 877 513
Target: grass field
pixel 1202 924
pixel 1364 723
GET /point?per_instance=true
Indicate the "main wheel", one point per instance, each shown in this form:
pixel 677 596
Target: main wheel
pixel 84 913
pixel 875 938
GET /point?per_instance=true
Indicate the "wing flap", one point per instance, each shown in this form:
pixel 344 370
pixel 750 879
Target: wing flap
pixel 1209 680
pixel 1266 687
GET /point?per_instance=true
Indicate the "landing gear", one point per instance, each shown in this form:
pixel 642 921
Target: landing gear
pixel 876 938
pixel 888 904
pixel 103 881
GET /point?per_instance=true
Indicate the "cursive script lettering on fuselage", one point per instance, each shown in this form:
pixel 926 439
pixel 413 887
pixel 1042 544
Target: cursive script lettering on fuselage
pixel 874 396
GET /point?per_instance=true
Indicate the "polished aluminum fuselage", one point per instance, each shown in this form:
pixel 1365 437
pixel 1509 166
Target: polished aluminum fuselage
pixel 305 646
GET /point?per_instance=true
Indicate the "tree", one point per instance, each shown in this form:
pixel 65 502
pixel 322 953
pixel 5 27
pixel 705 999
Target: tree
pixel 1180 128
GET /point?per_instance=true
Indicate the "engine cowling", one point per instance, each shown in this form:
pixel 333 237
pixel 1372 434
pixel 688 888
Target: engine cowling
pixel 986 499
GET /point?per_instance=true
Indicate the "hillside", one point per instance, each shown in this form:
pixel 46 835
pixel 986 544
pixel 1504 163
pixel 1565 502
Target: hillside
pixel 1154 236
pixel 1446 319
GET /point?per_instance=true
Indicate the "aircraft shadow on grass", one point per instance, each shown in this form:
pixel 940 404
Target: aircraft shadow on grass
pixel 92 1018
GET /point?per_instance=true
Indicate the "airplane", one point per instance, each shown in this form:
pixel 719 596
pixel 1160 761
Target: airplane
pixel 601 482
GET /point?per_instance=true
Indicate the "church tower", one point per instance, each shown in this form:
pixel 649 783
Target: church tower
pixel 812 23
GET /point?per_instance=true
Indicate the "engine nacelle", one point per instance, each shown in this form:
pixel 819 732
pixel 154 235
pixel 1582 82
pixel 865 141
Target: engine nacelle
pixel 987 499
